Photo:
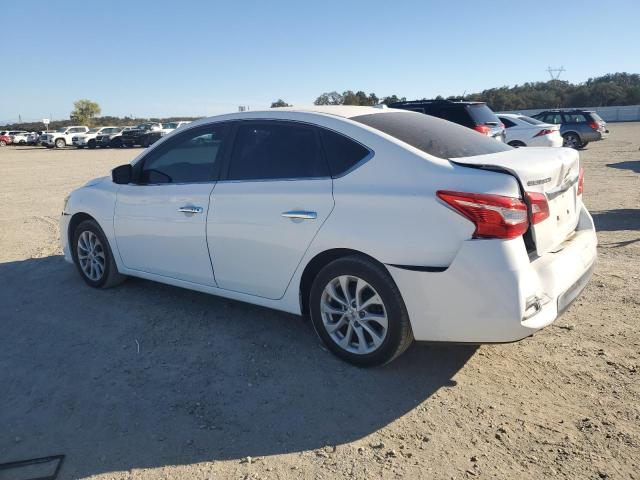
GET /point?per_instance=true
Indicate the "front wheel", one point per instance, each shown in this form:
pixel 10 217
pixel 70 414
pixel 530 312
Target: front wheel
pixel 358 312
pixel 60 143
pixel 93 257
pixel 92 144
pixel 571 140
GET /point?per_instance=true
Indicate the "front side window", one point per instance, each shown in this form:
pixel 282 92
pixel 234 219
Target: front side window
pixel 188 158
pixel 276 150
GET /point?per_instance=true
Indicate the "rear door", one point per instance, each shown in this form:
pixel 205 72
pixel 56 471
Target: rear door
pixel 274 197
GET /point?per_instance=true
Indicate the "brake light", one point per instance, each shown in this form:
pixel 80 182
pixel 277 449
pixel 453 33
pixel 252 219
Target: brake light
pixel 581 181
pixel 544 131
pixel 539 207
pixel 494 216
pixel 594 125
pixel 483 129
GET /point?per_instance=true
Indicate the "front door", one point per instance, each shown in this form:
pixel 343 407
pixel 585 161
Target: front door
pixel 270 205
pixel 160 221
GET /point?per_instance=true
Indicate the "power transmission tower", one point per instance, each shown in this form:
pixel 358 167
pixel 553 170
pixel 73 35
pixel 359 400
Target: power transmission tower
pixel 554 73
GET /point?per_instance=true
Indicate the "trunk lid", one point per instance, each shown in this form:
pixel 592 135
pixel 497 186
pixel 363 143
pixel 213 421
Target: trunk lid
pixel 551 171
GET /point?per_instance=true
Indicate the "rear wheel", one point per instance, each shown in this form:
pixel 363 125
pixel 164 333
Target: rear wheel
pixel 61 143
pixel 571 140
pixel 358 312
pixel 93 257
pixel 116 143
pixel 517 144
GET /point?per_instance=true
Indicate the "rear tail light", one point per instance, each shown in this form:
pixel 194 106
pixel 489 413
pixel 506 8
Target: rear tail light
pixel 539 207
pixel 483 129
pixel 581 181
pixel 544 131
pixel 494 216
pixel 594 125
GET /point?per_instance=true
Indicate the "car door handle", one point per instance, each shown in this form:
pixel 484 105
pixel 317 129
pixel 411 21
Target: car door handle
pixel 190 209
pixel 303 214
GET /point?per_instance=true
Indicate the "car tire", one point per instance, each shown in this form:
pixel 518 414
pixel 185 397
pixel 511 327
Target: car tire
pixel 60 143
pixel 79 147
pixel 93 257
pixel 115 143
pixel 144 143
pixel 91 144
pixel 517 144
pixel 571 140
pixel 372 294
pixel 3 143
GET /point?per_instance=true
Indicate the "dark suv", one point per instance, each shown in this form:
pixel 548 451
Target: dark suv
pixel 577 127
pixel 475 115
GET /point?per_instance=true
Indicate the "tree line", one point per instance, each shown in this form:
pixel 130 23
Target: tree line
pixel 608 90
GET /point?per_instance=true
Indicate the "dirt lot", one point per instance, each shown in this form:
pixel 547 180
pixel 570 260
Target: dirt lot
pixel 151 381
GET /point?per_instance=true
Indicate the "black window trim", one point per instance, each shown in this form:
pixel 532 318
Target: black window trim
pixel 224 176
pixel 161 148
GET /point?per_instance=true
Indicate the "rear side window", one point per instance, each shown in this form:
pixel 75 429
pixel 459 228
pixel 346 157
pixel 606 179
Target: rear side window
pixel 554 118
pixel 431 135
pixel 276 150
pixel 456 115
pixel 575 118
pixel 342 153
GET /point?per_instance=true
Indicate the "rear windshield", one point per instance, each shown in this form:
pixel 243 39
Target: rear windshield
pixel 432 135
pixel 596 117
pixel 530 120
pixel 482 114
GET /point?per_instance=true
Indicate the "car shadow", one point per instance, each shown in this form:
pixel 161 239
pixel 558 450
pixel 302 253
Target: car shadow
pixel 147 375
pixel 633 165
pixel 615 220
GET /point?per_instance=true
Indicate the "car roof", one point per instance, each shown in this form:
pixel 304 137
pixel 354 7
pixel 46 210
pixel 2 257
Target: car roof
pixel 344 111
pixel 441 102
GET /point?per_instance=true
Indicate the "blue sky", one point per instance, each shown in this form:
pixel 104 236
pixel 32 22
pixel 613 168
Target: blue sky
pixel 155 58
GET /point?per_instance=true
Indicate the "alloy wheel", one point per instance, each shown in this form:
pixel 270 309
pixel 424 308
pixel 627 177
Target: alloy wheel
pixel 91 255
pixel 353 314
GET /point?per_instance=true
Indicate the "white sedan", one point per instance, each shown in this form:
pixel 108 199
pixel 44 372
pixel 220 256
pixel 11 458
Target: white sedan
pixel 384 225
pixel 523 131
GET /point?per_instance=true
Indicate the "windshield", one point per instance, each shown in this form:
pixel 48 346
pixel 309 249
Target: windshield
pixel 170 125
pixel 60 130
pixel 432 135
pixel 530 120
pixel 482 114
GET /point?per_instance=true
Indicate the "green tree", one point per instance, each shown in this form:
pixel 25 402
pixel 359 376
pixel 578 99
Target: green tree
pixel 279 103
pixel 329 98
pixel 84 110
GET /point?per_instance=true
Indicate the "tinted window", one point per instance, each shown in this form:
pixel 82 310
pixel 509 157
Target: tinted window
pixel 187 158
pixel 507 123
pixel 456 115
pixel 575 118
pixel 272 150
pixel 432 135
pixel 342 153
pixel 482 114
pixel 554 118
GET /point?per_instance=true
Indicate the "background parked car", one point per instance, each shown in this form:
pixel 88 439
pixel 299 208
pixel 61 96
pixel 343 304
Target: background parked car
pixel 523 131
pixel 62 136
pixel 112 138
pixel 89 139
pixel 5 140
pixel 577 127
pixel 20 138
pixel 137 135
pixel 149 138
pixel 475 115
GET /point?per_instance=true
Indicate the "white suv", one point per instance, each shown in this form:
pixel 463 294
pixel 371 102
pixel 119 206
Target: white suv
pixel 62 136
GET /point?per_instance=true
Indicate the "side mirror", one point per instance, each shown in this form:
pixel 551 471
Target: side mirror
pixel 122 175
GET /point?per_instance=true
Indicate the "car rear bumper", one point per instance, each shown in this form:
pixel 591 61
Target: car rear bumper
pixel 494 292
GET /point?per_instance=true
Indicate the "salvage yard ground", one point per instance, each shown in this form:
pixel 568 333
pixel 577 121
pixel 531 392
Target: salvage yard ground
pixel 151 381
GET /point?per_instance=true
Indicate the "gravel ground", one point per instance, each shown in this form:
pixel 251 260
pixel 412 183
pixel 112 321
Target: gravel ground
pixel 151 381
